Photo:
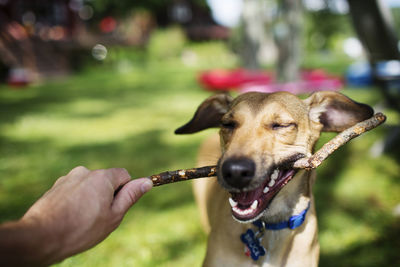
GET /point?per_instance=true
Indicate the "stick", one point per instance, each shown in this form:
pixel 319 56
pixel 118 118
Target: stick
pixel 305 163
pixel 183 175
pixel 339 140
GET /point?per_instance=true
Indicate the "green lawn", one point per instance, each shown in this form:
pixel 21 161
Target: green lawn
pixel 123 114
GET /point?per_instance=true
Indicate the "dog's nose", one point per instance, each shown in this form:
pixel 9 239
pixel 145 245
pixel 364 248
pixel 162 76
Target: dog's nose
pixel 238 172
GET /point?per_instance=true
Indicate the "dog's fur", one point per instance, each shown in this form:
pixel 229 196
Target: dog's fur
pixel 261 132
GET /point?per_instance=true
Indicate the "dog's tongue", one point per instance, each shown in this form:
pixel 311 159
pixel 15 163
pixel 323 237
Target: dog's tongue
pixel 247 198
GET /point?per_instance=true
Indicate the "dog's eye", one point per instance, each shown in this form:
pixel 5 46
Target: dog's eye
pixel 229 125
pixel 278 126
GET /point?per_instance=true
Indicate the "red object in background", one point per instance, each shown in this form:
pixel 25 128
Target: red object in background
pixel 227 79
pixel 18 77
pixel 108 24
pixel 249 81
pixel 315 75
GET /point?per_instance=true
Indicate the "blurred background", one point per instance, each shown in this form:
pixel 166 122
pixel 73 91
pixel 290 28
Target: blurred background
pixel 104 84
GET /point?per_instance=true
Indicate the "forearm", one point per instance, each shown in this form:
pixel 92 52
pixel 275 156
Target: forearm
pixel 23 243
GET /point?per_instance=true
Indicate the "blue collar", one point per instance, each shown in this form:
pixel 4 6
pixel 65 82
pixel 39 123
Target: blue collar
pixel 252 240
pixel 293 222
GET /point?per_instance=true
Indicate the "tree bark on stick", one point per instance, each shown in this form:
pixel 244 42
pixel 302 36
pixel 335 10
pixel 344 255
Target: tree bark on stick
pixel 339 140
pixel 183 175
pixel 305 163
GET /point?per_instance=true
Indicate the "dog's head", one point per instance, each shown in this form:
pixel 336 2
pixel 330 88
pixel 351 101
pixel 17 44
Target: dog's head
pixel 262 135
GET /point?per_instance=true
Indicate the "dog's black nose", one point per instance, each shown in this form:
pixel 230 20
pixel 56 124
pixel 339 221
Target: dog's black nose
pixel 238 172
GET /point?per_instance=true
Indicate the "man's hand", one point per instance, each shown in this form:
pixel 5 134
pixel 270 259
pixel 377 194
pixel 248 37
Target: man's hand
pixel 78 212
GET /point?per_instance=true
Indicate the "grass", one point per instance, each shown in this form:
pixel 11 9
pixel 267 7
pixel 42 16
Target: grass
pixel 123 113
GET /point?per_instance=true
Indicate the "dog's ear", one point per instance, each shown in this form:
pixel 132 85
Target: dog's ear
pixel 208 114
pixel 335 111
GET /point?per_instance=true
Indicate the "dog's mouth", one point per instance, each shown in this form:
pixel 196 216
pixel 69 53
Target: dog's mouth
pixel 248 205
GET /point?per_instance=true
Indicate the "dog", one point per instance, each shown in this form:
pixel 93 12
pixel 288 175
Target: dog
pixel 260 211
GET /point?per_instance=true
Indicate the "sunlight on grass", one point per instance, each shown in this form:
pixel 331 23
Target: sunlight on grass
pixel 86 121
pixel 73 130
pixel 337 238
pixel 138 244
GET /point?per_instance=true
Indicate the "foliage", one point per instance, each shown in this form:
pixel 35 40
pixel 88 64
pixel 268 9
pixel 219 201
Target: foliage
pixel 122 8
pixel 322 27
pixel 396 19
pixel 123 113
pixel 167 43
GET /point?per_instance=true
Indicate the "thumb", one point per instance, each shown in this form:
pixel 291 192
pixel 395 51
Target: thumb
pixel 130 193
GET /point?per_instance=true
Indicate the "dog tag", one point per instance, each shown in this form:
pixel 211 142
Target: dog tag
pixel 253 244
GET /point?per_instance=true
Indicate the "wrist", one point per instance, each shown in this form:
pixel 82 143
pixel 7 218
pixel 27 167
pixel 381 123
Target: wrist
pixel 27 242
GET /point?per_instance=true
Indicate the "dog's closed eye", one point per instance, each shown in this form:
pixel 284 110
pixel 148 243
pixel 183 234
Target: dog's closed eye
pixel 279 126
pixel 229 125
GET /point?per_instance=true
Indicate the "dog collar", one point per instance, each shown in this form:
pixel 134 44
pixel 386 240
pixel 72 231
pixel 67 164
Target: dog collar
pixel 293 222
pixel 252 240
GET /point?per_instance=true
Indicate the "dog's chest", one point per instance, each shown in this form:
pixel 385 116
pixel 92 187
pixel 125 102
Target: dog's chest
pixel 264 248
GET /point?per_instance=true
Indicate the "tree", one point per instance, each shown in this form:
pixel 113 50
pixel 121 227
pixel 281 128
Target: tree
pixel 287 33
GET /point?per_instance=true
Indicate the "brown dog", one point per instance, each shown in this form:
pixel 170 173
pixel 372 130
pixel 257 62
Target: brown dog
pixel 261 136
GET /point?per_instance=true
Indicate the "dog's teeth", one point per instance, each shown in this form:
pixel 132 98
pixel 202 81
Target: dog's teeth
pixel 232 202
pixel 247 211
pixel 254 205
pixel 266 189
pixel 271 183
pixel 239 211
pixel 275 174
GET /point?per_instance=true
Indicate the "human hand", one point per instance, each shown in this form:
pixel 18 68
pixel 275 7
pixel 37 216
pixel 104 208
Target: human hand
pixel 80 210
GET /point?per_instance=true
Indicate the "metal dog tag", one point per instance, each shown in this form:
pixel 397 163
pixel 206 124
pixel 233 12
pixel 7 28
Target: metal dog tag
pixel 253 244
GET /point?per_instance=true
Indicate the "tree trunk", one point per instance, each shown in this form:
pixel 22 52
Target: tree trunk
pixel 287 33
pixel 255 33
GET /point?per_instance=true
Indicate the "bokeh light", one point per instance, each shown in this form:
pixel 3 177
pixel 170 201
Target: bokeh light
pixel 99 52
pixel 86 12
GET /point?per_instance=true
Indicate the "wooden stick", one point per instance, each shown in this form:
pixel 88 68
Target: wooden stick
pixel 305 163
pixel 339 140
pixel 183 175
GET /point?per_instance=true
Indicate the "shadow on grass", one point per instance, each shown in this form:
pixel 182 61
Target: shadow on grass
pixel 142 155
pixel 384 251
pixel 136 89
pixel 24 177
pixel 381 251
pixel 178 248
pixel 327 176
pixel 393 144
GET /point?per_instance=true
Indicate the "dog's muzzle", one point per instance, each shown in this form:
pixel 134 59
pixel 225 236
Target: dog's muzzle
pixel 251 195
pixel 238 172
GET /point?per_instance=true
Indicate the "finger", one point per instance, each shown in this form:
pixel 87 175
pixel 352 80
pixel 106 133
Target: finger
pixel 116 177
pixel 130 194
pixel 120 177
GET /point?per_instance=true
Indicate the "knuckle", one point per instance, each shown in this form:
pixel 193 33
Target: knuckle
pixel 121 172
pixel 59 180
pixel 78 169
pixel 81 168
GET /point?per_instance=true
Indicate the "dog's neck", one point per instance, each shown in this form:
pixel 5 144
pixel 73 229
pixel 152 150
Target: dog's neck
pixel 286 204
pixel 293 222
pixel 278 242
